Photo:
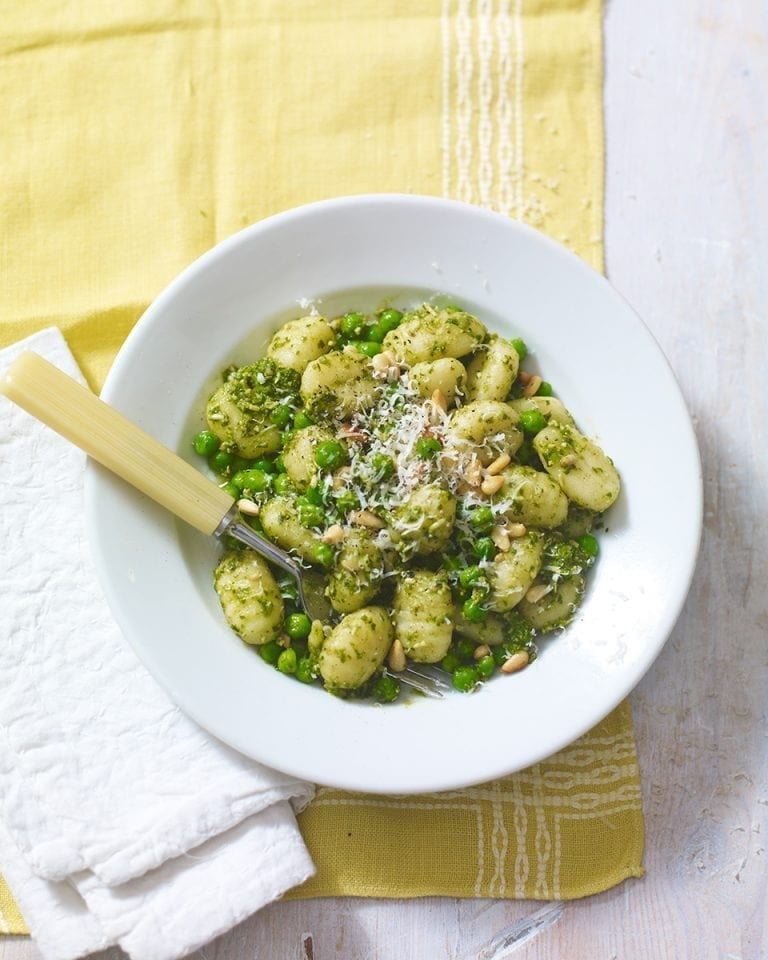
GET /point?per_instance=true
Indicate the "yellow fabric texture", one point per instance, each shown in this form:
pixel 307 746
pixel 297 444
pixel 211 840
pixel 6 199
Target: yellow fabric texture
pixel 137 135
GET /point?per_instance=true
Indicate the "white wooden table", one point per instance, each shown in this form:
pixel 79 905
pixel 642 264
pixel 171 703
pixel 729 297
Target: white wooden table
pixel 687 243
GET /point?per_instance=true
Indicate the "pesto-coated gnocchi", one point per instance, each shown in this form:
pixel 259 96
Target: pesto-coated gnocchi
pixel 298 342
pixel 422 613
pixel 431 332
pixel 355 649
pixel 586 475
pixel 556 607
pixel 531 497
pixel 511 576
pixel 446 499
pixel 423 523
pixel 447 375
pixel 299 454
pixel 338 384
pixel 491 374
pixel 357 573
pixel 250 598
pixel 489 427
pixel 282 522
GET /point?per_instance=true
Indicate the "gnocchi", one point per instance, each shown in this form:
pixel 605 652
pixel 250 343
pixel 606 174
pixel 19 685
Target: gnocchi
pixel 446 497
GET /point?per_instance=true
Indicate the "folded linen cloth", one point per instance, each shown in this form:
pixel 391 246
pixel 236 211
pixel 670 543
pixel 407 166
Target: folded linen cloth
pixel 121 821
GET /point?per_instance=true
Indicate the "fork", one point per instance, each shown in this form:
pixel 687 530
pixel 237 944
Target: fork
pixel 117 443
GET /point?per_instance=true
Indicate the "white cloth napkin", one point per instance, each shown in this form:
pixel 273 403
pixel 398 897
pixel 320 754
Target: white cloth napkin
pixel 121 821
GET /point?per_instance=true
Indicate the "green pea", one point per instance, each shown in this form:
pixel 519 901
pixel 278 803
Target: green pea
pixel 255 480
pixel 301 420
pixel 282 483
pixel 352 324
pixel 324 554
pixel 482 519
pixel 465 650
pixel 281 416
pixel 206 443
pixel 427 447
pixel 264 464
pixel 270 652
pixel 376 333
pixel 220 461
pixel 346 501
pixel 386 689
pixel 231 490
pixel 520 346
pixel 287 661
pixel 486 666
pixel 474 611
pixel 532 421
pixel 484 548
pixel 305 671
pixel 545 389
pixel 383 466
pixel 330 454
pixel 390 319
pixel 369 347
pixel 450 662
pixel 239 463
pixel 465 679
pixel 589 545
pixel 469 576
pixel 310 514
pixel 314 495
pixel 279 464
pixel 297 626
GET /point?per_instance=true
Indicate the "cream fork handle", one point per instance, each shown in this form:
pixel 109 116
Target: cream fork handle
pixel 114 441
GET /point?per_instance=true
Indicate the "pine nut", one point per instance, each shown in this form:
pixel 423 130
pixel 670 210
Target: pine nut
pixel 537 592
pixel 364 518
pixel 482 651
pixel 380 365
pixel 533 385
pixel 439 399
pixel 334 534
pixel 491 485
pixel 516 530
pixel 474 474
pixel 500 538
pixel 396 657
pixel 568 460
pixel 383 363
pixel 248 507
pixel 393 373
pixel 498 465
pixel 516 662
pixel 524 377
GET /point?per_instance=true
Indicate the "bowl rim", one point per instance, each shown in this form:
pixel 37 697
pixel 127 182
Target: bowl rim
pixel 128 356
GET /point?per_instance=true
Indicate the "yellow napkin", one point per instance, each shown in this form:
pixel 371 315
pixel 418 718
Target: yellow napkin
pixel 137 135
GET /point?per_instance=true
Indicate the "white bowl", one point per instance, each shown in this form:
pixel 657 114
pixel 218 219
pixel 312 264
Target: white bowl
pixel 350 254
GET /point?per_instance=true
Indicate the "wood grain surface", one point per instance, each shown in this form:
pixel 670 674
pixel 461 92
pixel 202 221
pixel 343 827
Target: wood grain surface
pixel 687 244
